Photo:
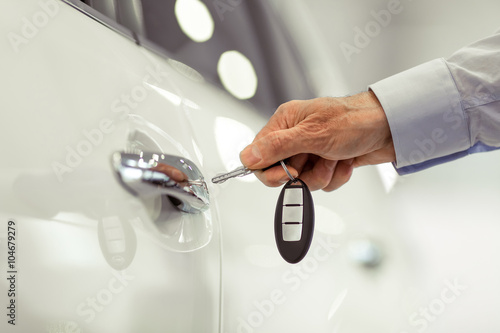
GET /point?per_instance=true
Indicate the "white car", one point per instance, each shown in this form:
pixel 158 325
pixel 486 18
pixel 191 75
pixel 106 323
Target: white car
pixel 99 235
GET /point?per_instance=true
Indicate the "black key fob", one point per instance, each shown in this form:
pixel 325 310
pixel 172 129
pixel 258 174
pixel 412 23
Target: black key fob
pixel 294 221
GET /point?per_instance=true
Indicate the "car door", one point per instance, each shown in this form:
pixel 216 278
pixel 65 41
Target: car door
pixel 83 251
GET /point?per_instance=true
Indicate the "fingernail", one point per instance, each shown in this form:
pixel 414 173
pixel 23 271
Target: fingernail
pixel 250 155
pixel 284 180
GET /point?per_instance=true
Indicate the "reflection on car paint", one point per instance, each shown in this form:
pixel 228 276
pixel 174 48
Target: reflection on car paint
pixel 231 136
pixel 186 70
pixel 117 240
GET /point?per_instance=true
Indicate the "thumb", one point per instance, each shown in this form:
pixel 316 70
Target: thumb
pixel 271 148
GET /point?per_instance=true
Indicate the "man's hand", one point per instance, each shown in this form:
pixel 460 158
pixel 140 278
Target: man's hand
pixel 324 139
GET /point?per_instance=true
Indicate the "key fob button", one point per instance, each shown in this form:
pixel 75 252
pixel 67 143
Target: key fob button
pixel 293 196
pixel 292 232
pixel 294 221
pixel 292 214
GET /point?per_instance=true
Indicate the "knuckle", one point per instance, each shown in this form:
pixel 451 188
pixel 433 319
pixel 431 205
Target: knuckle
pixel 276 142
pixel 263 177
pixel 329 189
pixel 323 183
pixel 284 107
pixel 287 108
pixel 332 186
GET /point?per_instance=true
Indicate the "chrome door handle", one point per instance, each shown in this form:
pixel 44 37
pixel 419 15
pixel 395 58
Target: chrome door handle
pixel 150 174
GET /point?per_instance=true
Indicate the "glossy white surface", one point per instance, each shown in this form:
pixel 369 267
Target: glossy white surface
pixel 90 257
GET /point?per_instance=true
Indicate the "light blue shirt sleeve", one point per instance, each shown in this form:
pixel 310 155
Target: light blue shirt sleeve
pixel 444 109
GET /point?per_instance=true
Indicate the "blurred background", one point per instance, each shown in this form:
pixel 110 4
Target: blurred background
pixel 268 52
pixel 421 31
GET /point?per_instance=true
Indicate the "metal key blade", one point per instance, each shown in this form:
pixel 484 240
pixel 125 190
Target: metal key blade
pixel 238 172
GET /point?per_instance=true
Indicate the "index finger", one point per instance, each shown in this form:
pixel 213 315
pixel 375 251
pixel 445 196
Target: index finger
pixel 272 147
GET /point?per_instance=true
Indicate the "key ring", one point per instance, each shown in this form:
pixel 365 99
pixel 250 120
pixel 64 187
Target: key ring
pixel 286 170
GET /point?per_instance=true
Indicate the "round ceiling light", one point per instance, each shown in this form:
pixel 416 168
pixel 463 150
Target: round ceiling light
pixel 237 74
pixel 194 19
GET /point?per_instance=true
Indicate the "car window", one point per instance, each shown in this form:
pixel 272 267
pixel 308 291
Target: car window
pixel 241 46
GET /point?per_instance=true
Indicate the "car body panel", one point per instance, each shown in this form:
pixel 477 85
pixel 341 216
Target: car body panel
pixel 80 92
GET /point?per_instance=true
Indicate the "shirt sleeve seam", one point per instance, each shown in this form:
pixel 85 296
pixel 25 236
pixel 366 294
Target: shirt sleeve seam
pixel 465 115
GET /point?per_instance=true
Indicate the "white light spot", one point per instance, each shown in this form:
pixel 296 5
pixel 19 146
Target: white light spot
pixel 231 137
pixel 190 104
pixel 197 152
pixel 186 70
pixel 337 303
pixel 237 74
pixel 194 19
pixel 131 173
pixel 170 96
pixel 328 222
pixel 388 175
pixel 365 252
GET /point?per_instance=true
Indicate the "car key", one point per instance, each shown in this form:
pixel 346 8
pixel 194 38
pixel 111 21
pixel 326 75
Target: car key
pixel 294 220
pixel 238 172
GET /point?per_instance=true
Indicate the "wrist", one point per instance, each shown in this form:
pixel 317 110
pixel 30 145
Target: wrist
pixel 370 117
